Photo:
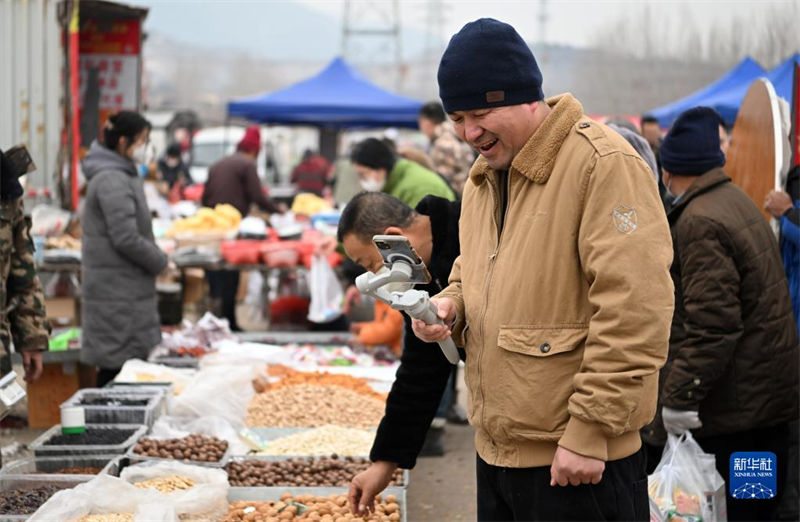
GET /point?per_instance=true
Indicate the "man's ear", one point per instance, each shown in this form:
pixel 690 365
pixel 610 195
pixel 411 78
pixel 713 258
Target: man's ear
pixel 393 231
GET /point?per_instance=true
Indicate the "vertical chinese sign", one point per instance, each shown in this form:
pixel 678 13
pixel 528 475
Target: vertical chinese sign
pixel 110 65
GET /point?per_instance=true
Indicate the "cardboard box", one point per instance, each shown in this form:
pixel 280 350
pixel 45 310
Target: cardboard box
pixel 63 311
pixel 194 289
pixel 59 381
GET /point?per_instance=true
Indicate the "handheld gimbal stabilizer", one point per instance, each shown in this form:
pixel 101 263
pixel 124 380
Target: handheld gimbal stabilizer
pixel 415 303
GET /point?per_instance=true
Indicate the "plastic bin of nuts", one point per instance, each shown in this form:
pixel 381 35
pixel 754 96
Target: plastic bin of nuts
pixel 116 406
pixel 199 450
pixel 79 467
pixel 274 504
pixel 20 497
pixel 331 471
pixel 98 439
pixel 321 441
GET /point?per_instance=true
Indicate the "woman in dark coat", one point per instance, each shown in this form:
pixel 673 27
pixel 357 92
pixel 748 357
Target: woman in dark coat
pixel 120 257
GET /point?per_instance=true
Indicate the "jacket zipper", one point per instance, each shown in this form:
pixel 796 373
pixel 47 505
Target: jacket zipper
pixel 492 258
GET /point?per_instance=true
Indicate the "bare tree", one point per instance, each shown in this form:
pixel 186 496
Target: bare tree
pixel 651 31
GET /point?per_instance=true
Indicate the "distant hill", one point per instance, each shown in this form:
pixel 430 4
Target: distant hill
pixel 180 75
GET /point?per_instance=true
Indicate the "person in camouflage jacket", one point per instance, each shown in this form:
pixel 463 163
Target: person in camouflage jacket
pixel 451 157
pixel 22 309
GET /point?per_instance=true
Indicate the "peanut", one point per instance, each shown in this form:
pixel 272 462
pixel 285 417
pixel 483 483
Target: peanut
pixel 306 405
pixel 325 440
pixel 167 484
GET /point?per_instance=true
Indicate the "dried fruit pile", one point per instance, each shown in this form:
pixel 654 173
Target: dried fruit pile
pixel 76 471
pixel 25 501
pixel 91 437
pixel 305 405
pixel 290 377
pixel 322 441
pixel 307 507
pixel 329 471
pixel 192 447
pixel 112 401
pixel 108 517
pixel 167 484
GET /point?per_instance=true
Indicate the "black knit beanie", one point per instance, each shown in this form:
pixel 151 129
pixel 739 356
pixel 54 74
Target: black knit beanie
pixel 488 64
pixel 691 147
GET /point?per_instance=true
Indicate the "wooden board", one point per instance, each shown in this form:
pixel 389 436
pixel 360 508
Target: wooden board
pixel 59 381
pixel 755 153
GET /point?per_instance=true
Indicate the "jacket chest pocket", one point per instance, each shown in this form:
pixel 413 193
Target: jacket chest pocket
pixel 536 367
pixel 541 341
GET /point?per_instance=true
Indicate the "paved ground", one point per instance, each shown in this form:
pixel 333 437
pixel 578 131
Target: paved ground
pixel 443 488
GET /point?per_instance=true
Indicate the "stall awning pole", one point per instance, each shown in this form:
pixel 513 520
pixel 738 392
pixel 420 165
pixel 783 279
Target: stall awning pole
pixel 74 92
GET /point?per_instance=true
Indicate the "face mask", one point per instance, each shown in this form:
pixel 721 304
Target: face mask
pixel 139 154
pixel 372 185
pixel 173 162
pixel 668 197
pixel 394 287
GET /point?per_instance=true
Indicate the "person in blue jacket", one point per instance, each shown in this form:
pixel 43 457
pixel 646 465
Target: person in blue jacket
pixel 785 207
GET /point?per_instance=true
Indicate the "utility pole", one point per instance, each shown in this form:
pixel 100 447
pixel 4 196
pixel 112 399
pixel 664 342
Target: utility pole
pixel 541 38
pixel 434 29
pixel 371 35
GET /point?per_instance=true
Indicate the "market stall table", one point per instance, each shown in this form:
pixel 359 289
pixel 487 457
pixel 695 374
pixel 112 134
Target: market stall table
pixel 295 337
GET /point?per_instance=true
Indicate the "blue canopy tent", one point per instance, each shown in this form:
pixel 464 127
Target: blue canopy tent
pixel 781 77
pixel 725 95
pixel 338 96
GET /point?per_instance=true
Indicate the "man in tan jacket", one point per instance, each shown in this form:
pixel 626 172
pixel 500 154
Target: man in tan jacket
pixel 561 297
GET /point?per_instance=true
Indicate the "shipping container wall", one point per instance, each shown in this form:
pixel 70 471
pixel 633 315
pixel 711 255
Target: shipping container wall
pixel 31 61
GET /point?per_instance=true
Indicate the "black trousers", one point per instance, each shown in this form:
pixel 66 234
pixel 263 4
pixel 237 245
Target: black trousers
pixel 526 494
pixel 105 376
pixel 223 285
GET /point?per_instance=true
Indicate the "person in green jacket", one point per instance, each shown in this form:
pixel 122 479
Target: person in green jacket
pixel 380 170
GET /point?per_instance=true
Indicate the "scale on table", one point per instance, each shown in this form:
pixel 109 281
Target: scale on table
pixel 405 267
pixel 10 393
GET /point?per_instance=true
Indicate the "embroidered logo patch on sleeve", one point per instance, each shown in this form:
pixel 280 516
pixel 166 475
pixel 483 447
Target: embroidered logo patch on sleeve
pixel 625 219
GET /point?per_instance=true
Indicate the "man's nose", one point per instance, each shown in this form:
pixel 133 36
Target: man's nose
pixel 472 132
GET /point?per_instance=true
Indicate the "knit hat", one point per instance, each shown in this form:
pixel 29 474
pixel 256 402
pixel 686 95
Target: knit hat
pixel 251 141
pixel 488 64
pixel 691 147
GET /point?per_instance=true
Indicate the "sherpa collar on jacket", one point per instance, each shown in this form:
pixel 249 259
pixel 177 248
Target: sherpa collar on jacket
pixel 536 159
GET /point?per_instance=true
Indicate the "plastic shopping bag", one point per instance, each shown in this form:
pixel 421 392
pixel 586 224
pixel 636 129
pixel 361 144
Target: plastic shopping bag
pixel 206 500
pixel 221 391
pixel 326 292
pixel 685 486
pixel 105 494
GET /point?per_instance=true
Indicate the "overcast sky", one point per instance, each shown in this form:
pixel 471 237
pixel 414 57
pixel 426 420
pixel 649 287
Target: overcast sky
pixel 312 29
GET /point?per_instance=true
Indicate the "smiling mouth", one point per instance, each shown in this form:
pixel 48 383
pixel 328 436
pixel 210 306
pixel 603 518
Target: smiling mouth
pixel 486 147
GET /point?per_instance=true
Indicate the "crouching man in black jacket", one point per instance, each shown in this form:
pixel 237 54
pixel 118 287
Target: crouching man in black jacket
pixel 432 229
